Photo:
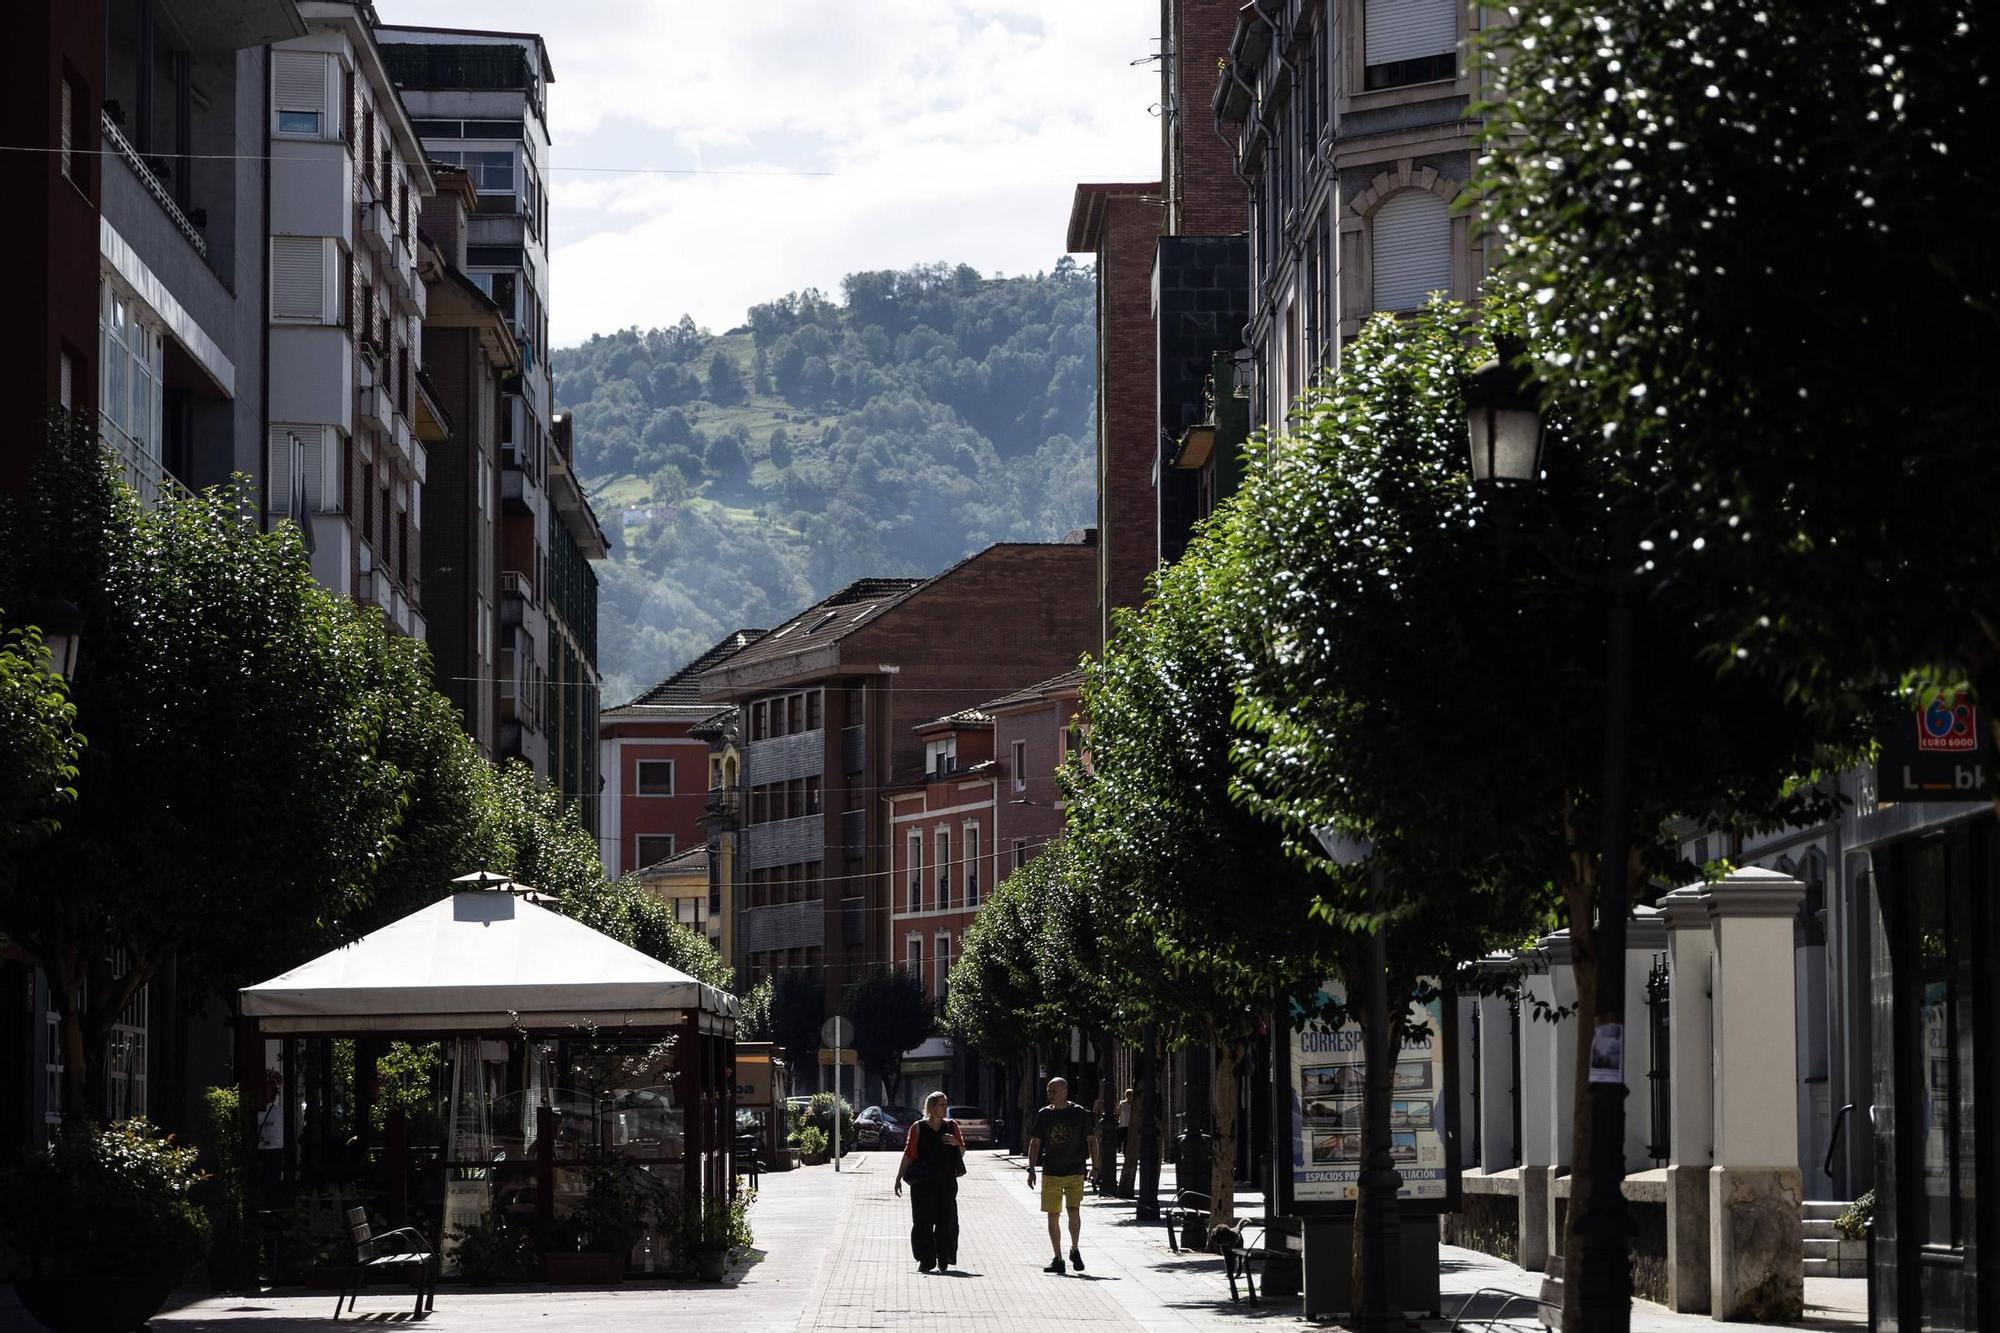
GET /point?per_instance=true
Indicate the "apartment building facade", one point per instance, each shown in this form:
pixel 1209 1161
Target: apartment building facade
pixel 1348 121
pixel 348 181
pixel 469 355
pixel 830 704
pixel 478 99
pixel 659 778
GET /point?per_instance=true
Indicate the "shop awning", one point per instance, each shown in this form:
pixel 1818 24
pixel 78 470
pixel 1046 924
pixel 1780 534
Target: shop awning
pixel 480 961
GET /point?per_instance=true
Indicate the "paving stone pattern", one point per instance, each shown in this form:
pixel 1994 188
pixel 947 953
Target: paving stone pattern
pixel 837 1257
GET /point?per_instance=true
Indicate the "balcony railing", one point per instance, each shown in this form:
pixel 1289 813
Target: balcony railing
pixel 782 926
pixel 153 184
pixel 513 583
pixel 784 842
pixel 783 758
pixel 145 472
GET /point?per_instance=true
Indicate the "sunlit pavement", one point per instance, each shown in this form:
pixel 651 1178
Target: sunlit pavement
pixel 834 1255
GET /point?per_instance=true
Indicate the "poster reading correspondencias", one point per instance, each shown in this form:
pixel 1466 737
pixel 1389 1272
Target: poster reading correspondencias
pixel 1328 1070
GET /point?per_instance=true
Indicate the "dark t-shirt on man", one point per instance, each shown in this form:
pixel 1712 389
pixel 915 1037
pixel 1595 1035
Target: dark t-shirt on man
pixel 1065 1135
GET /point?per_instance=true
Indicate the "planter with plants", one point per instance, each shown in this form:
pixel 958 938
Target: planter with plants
pixel 232 1253
pixel 591 1245
pixel 811 1144
pixel 102 1227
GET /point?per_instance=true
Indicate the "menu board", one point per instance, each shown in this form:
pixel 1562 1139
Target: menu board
pixel 1329 1072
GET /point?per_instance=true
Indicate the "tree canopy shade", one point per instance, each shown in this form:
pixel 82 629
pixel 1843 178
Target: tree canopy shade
pixel 39 745
pixel 1208 918
pixel 1413 678
pixel 798 1007
pixel 891 1014
pixel 234 803
pixel 1755 236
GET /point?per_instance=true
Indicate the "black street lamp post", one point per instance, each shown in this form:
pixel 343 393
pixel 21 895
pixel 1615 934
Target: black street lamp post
pixel 61 626
pixel 1506 436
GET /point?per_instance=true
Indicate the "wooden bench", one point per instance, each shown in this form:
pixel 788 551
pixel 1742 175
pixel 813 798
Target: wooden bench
pixel 1232 1240
pixel 394 1251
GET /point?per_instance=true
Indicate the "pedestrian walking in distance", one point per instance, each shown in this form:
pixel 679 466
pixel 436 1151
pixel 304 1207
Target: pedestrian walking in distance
pixel 933 1160
pixel 1062 1141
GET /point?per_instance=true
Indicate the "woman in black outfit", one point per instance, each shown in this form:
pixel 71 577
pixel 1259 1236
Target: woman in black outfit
pixel 933 1157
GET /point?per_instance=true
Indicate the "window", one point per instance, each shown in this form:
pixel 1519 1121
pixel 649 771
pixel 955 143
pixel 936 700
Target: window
pixel 916 869
pixel 759 721
pixel 941 959
pixel 1020 852
pixel 1020 765
pixel 298 91
pixel 651 849
pixel 972 865
pixel 913 956
pixel 1408 41
pixel 299 279
pixel 1411 240
pixel 131 397
pixel 941 757
pixel 813 719
pixel 715 772
pixel 67 144
pixel 66 389
pixel 944 868
pixel 656 777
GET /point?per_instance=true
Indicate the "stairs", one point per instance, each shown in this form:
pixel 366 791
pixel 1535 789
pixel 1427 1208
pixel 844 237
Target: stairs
pixel 1827 1255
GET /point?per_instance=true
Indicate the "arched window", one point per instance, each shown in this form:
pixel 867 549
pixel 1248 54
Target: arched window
pixel 1410 237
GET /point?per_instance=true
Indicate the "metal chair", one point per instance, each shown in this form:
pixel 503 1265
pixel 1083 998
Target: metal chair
pixel 410 1250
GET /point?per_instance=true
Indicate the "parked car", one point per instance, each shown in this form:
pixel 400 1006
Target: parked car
pixel 883 1126
pixel 973 1125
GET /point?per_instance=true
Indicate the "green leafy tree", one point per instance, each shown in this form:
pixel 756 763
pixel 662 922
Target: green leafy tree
pixel 753 1019
pixel 1688 193
pixel 1220 919
pixel 997 1004
pixel 798 1008
pixel 1397 654
pixel 233 806
pixel 891 1015
pixel 38 736
pixel 725 380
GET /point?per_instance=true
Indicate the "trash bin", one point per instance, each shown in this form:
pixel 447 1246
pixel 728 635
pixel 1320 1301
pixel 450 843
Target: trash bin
pixel 1193 1169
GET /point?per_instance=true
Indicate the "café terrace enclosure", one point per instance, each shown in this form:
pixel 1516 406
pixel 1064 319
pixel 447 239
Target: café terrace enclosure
pixel 558 1047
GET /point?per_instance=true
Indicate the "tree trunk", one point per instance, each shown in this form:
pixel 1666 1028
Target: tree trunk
pixel 1222 1189
pixel 1030 1064
pixel 67 976
pixel 1148 1209
pixel 1578 896
pixel 1377 1220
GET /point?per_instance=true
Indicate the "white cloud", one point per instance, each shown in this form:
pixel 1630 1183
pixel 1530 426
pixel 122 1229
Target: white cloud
pixel 950 129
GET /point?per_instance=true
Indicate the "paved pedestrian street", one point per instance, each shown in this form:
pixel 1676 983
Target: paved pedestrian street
pixel 834 1255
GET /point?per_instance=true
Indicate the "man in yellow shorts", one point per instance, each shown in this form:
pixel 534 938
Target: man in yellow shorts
pixel 1062 1141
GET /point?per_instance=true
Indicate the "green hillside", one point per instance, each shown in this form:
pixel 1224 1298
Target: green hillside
pixel 742 475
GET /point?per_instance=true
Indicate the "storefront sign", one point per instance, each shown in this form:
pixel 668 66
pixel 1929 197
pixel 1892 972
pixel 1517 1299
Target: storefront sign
pixel 1329 1070
pixel 1938 753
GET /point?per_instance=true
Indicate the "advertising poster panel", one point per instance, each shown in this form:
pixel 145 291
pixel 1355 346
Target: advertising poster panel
pixel 1328 1073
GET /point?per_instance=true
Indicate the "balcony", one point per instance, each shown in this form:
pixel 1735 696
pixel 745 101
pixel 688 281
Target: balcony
pixel 723 804
pixel 378 229
pixel 782 926
pixel 120 145
pixel 513 583
pixel 373 403
pixel 784 842
pixel 144 470
pixel 783 758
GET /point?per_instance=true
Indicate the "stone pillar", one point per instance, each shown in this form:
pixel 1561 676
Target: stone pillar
pixel 1499 1065
pixel 1690 950
pixel 1537 1080
pixel 1563 1075
pixel 1756 1239
pixel 1645 940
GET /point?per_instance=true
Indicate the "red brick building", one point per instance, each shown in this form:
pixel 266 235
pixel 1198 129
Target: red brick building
pixel 832 702
pixel 656 778
pixel 1034 730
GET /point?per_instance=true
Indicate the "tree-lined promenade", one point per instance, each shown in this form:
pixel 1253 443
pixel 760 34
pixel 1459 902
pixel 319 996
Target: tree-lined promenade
pixel 1721 515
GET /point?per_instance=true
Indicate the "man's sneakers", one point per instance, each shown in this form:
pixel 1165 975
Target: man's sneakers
pixel 1076 1258
pixel 1054 1265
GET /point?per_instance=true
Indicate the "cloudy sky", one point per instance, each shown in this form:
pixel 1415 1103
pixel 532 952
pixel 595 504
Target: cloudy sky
pixel 829 136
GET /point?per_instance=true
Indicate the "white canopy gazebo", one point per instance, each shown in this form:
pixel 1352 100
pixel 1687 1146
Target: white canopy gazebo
pixel 483 962
pixel 559 1045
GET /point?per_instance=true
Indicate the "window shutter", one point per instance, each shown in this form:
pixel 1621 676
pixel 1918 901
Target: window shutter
pixel 298 80
pixel 1395 30
pixel 68 127
pixel 298 277
pixel 1411 240
pixel 278 478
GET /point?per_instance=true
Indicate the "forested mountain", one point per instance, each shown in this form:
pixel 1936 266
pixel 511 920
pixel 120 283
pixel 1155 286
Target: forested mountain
pixel 745 474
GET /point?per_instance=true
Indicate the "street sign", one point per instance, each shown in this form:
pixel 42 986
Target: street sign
pixel 836 1032
pixel 1939 752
